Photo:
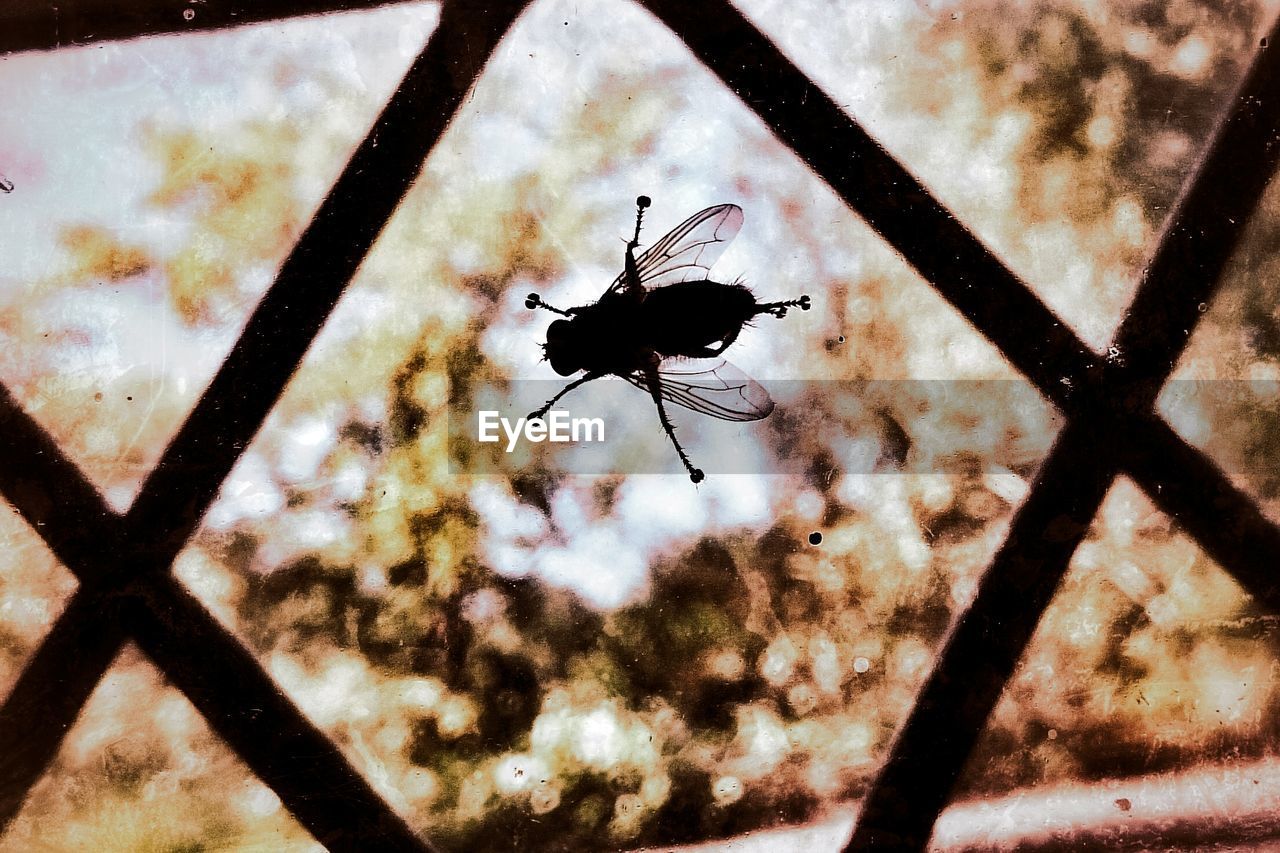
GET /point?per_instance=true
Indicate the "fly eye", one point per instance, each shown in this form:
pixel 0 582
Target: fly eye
pixel 560 348
pixel 558 332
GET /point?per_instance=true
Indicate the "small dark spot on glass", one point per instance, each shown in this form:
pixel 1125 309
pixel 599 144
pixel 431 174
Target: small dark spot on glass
pixel 130 399
pixel 1263 42
pixel 1123 804
pixel 6 185
pixel 188 14
pixel 815 538
pixel 97 398
pixel 840 339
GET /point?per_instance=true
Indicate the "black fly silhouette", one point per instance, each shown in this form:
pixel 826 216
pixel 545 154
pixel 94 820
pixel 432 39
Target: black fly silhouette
pixel 663 324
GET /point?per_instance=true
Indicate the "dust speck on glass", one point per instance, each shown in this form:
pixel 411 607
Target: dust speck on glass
pixel 513 645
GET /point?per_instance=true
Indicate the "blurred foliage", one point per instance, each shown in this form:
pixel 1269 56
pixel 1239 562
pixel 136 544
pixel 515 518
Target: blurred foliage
pixel 750 678
pixel 1150 658
pixel 1121 95
pixel 241 205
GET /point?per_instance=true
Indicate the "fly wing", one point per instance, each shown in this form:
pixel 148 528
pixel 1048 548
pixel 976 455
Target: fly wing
pixel 711 386
pixel 690 250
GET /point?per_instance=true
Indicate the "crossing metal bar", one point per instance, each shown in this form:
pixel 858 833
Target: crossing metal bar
pixel 979 655
pixel 127 590
pixel 960 268
pixel 1108 403
pixel 123 563
pixel 49 693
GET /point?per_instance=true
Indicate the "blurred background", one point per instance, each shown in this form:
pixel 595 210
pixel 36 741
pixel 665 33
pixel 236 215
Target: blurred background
pixel 540 661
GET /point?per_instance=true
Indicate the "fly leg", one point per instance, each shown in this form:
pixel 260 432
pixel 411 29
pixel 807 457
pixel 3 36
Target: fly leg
pixel 634 285
pixel 779 309
pixel 654 381
pixel 708 352
pixel 533 301
pixel 724 344
pixel 538 415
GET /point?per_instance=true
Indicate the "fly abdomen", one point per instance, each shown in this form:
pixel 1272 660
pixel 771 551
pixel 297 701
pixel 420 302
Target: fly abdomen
pixel 687 317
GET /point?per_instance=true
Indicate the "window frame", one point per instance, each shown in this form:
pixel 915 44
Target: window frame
pixel 123 561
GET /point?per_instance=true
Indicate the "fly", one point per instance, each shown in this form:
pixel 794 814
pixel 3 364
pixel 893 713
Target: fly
pixel 663 326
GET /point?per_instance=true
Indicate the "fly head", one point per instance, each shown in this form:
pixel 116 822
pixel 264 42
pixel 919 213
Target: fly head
pixel 564 347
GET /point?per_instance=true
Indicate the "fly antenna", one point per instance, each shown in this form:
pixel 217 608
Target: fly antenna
pixel 533 301
pixel 779 309
pixel 641 203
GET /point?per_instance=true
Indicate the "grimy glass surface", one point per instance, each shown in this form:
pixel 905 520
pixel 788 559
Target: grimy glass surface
pixel 523 657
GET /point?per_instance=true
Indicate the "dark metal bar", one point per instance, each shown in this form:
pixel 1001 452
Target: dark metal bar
pixel 55 498
pixel 986 643
pixel 1224 521
pixel 51 493
pixel 907 216
pixel 930 239
pixel 86 638
pixel 988 639
pixel 223 679
pixel 917 779
pixel 233 407
pixel 876 187
pixel 52 24
pixel 281 746
pixel 278 743
pixel 1201 233
pixel 984 646
pixel 48 696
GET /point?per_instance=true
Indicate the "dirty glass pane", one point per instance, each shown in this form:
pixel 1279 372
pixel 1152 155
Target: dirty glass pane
pixel 1151 676
pixel 155 190
pixel 34 588
pixel 140 770
pixel 1060 131
pixel 615 656
pixel 575 646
